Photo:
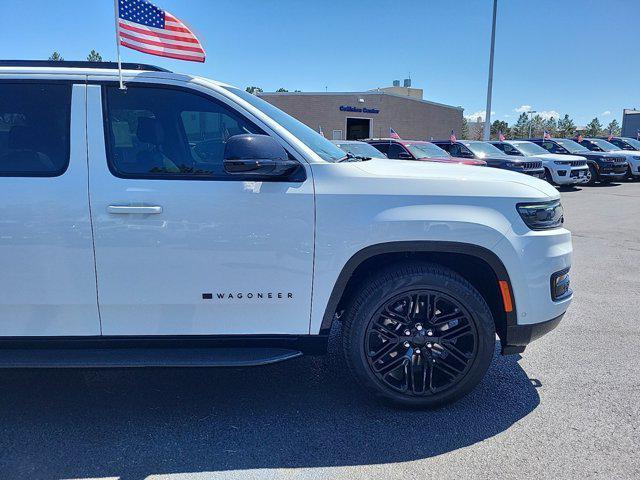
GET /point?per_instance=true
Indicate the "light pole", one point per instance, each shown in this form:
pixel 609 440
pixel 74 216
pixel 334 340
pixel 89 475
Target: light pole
pixel 530 112
pixel 487 116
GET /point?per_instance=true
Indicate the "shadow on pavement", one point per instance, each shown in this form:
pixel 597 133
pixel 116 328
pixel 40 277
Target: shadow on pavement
pixel 132 423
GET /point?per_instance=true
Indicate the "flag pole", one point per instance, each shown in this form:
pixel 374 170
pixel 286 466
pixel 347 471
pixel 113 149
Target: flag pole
pixel 116 13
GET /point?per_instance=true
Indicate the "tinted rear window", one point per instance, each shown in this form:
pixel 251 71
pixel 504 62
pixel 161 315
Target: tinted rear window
pixel 34 129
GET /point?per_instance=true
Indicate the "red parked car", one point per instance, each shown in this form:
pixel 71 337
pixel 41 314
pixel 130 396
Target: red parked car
pixel 418 150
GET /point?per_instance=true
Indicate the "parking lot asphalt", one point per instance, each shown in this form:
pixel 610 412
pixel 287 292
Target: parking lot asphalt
pixel 569 407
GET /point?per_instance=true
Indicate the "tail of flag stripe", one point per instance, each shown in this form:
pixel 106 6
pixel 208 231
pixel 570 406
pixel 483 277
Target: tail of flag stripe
pixel 546 135
pixel 610 136
pixel 146 28
pixel 452 137
pixel 393 133
pixel 320 130
pixel 501 136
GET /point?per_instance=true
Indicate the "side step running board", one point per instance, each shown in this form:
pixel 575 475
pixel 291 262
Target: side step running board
pixel 142 357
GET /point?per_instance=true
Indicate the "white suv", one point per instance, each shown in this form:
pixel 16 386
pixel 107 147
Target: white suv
pixel 558 169
pixel 184 222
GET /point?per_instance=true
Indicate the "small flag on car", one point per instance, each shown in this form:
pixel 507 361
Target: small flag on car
pixel 580 138
pixel 452 137
pixel 393 133
pixel 501 136
pixel 146 28
pixel 546 135
pixel 610 136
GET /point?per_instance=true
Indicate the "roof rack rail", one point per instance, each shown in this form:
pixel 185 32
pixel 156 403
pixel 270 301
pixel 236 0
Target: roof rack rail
pixel 80 64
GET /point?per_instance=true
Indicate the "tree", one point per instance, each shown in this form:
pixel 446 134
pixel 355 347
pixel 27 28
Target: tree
pixel 613 128
pixel 94 56
pixel 280 90
pixel 478 130
pixel 521 127
pixel 56 57
pixel 593 128
pixel 464 131
pixel 551 126
pixel 566 127
pixel 500 126
pixel 254 90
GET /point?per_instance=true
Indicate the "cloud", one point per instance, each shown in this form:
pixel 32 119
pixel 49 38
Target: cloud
pixel 506 115
pixel 606 113
pixel 547 114
pixel 522 108
pixel 480 113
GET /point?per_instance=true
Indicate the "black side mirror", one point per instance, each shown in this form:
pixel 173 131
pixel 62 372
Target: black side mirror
pixel 257 156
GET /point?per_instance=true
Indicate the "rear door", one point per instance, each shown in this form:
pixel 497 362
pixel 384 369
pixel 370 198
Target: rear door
pixel 48 285
pixel 182 247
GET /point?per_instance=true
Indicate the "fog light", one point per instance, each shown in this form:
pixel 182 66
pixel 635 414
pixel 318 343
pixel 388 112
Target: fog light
pixel 562 173
pixel 560 285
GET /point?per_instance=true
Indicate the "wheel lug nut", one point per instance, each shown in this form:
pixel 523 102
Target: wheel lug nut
pixel 418 351
pixel 406 344
pixel 430 333
pixel 429 345
pixel 407 332
pixel 418 327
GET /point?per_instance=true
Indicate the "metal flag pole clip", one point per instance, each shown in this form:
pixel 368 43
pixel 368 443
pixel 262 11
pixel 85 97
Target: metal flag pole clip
pixel 116 12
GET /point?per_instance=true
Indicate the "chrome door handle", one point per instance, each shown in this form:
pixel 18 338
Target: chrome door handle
pixel 146 209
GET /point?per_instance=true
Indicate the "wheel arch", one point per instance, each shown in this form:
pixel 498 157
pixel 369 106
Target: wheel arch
pixel 479 265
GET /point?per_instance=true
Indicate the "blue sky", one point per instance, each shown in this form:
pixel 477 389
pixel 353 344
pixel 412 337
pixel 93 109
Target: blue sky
pixel 576 57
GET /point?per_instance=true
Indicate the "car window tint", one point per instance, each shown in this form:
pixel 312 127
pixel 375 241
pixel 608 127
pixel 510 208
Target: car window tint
pixel 34 129
pixel 395 150
pixel 171 133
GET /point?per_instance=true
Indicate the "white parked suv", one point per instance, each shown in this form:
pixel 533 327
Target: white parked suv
pixel 559 169
pixel 185 222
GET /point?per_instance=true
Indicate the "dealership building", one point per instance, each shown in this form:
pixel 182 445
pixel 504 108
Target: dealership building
pixel 357 115
pixel 631 123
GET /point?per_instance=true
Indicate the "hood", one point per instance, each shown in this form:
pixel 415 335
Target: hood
pixel 626 153
pixel 455 179
pixel 557 156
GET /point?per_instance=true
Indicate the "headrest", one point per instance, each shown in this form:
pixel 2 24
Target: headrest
pixel 22 138
pixel 150 131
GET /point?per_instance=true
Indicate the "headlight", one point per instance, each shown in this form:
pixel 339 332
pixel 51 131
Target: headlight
pixel 561 162
pixel 513 165
pixel 542 216
pixel 636 158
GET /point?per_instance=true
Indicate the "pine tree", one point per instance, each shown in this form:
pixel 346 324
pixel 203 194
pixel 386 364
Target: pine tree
pixel 551 126
pixel 593 128
pixel 281 89
pixel 521 127
pixel 464 131
pixel 566 127
pixel 537 126
pixel 254 90
pixel 478 131
pixel 500 126
pixel 94 56
pixel 613 128
pixel 56 57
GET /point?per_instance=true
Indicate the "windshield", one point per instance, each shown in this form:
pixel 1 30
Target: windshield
pixel 633 142
pixel 529 148
pixel 604 145
pixel 482 150
pixel 361 149
pixel 572 146
pixel 426 150
pixel 316 142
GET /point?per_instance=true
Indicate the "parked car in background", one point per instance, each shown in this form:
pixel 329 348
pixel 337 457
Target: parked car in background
pixel 494 157
pixel 418 150
pixel 601 145
pixel 559 169
pixel 625 143
pixel 359 150
pixel 603 167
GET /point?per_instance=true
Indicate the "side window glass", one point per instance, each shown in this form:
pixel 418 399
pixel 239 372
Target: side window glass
pixel 34 129
pixel 395 150
pixel 157 132
pixel 549 146
pixel 383 147
pixel 454 149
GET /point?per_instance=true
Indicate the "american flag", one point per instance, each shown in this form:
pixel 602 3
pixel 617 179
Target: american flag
pixel 393 133
pixel 452 137
pixel 580 138
pixel 610 136
pixel 546 135
pixel 144 27
pixel 501 136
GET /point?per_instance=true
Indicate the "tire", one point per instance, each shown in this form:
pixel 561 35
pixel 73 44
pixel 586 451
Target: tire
pixel 446 343
pixel 592 175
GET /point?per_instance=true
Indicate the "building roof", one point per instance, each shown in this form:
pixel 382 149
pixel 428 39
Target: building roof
pixel 370 92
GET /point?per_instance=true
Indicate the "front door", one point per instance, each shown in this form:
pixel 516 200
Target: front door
pixel 183 248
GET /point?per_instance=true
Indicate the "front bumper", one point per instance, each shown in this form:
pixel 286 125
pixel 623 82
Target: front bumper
pixel 519 336
pixel 615 171
pixel 568 175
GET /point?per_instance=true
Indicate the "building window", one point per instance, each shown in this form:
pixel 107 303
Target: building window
pixel 336 135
